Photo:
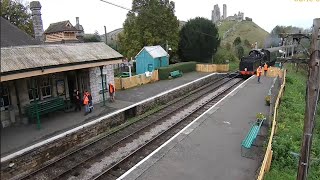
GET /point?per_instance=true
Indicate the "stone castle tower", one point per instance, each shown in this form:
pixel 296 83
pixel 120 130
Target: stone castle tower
pixel 215 17
pixel 224 11
pixel 35 8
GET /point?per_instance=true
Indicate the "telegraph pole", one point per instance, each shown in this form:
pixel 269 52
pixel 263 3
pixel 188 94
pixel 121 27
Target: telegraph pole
pixel 105 34
pixel 312 97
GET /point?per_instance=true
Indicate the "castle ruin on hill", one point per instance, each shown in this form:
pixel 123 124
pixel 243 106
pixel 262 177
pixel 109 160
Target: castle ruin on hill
pixel 217 17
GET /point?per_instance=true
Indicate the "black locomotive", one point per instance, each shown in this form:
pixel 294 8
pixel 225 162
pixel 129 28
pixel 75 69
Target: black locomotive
pixel 257 57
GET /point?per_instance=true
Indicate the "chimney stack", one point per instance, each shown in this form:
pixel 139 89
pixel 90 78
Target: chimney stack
pixel 77 20
pixel 35 8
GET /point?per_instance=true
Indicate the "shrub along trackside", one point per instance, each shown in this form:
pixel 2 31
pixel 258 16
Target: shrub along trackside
pixel 184 67
pixel 287 141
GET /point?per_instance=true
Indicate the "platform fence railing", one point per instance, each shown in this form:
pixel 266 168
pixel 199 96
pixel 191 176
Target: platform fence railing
pixel 266 163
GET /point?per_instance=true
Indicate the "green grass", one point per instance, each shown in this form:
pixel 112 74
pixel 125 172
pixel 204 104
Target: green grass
pixel 245 30
pixel 289 133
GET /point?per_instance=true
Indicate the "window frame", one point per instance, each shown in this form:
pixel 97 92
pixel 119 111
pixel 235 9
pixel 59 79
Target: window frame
pixel 104 82
pixel 8 94
pixel 29 86
pixel 42 86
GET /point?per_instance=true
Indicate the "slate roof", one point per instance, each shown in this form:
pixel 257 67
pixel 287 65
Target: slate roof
pixel 60 27
pixel 154 51
pixel 13 36
pixel 37 56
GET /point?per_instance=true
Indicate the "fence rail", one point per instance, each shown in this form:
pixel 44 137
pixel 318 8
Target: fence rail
pixel 212 67
pixel 265 167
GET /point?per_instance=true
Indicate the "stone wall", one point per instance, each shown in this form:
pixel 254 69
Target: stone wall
pixel 33 159
pixel 95 82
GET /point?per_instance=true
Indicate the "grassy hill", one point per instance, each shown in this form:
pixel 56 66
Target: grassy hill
pixel 230 30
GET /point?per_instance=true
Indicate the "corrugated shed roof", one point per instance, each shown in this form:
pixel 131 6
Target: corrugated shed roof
pixel 13 36
pixel 29 57
pixel 60 27
pixel 155 51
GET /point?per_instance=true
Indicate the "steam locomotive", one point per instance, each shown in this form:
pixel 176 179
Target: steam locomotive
pixel 257 57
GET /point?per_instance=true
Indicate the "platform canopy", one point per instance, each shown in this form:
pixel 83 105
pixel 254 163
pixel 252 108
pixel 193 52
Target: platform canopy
pixel 34 60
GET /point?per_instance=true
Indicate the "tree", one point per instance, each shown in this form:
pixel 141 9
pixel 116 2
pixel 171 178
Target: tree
pixel 151 22
pixel 199 40
pixel 92 37
pixel 17 14
pixel 237 41
pixel 247 43
pixel 240 51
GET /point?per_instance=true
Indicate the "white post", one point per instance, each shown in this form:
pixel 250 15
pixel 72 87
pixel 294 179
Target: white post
pixel 129 70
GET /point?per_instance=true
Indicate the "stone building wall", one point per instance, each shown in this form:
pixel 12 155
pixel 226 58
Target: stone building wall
pixel 95 82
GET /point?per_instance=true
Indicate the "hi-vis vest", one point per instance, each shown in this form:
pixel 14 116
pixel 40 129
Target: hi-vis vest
pixel 259 71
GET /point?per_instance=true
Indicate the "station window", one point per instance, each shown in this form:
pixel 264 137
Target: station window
pixel 4 96
pixel 33 92
pixel 45 87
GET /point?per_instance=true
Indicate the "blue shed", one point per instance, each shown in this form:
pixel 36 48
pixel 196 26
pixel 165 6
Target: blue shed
pixel 150 58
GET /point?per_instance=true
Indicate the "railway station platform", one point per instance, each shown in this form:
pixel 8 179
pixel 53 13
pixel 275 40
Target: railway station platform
pixel 18 137
pixel 210 147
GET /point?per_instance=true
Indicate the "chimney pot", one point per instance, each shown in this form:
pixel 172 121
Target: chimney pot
pixel 77 20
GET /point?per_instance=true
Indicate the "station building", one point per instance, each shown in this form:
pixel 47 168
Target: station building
pixel 31 70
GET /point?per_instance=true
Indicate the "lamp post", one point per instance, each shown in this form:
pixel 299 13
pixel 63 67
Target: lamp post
pixel 102 84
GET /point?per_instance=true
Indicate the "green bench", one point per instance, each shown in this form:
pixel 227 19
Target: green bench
pixel 44 107
pixel 247 143
pixel 176 73
pixel 125 74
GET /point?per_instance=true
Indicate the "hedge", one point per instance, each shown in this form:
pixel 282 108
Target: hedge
pixel 184 67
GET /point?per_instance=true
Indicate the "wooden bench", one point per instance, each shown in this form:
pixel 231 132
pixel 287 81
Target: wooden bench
pixel 44 107
pixel 176 73
pixel 247 143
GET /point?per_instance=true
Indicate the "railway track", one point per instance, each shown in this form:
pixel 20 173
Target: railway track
pixel 112 153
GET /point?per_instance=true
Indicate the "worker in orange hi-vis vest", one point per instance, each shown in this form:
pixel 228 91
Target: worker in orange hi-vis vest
pixel 112 91
pixel 259 72
pixel 86 102
pixel 265 68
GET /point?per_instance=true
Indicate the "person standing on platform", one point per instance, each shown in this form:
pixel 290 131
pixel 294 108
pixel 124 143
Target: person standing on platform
pixel 77 100
pixel 265 68
pixel 86 102
pixel 90 102
pixel 259 72
pixel 112 91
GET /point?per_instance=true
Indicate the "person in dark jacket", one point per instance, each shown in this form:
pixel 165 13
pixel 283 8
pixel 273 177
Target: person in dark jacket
pixel 90 102
pixel 77 100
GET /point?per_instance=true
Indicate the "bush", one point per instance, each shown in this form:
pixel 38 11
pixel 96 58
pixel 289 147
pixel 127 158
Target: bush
pixel 268 98
pixel 184 67
pixel 222 55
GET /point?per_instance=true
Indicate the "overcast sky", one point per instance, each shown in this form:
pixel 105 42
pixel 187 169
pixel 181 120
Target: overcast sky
pixel 95 14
